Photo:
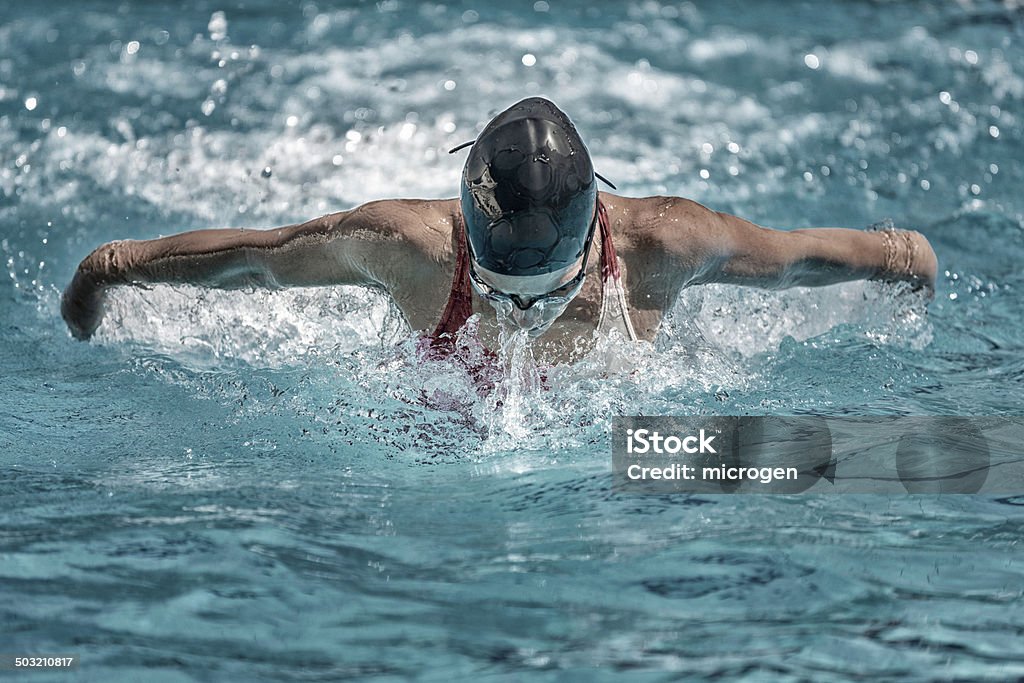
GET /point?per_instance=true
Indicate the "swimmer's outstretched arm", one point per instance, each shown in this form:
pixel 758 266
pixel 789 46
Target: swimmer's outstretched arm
pixel 739 252
pixel 341 248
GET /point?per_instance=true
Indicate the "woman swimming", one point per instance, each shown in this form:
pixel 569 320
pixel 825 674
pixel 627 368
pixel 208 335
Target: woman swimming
pixel 530 239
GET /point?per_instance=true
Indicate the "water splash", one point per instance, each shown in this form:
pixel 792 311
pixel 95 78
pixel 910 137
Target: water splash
pixel 515 397
pixel 358 358
pixel 259 327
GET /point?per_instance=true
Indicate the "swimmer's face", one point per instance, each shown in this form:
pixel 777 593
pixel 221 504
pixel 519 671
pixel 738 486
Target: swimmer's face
pixel 533 302
pixel 535 319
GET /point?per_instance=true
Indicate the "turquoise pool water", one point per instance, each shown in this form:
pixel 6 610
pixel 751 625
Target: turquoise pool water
pixel 245 486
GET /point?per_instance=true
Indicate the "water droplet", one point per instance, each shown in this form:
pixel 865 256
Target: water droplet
pixel 529 59
pixel 218 26
pixel 30 103
pixel 267 172
pixel 812 61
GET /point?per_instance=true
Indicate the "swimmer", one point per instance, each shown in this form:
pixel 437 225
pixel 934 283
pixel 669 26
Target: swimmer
pixel 530 241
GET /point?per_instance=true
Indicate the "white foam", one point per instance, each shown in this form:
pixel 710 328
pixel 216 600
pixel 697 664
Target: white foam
pixel 263 328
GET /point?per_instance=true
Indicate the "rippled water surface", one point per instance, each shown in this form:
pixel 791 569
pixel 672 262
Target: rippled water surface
pixel 250 486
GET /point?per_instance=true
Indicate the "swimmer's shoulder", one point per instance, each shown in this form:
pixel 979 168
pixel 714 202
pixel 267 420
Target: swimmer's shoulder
pixel 398 218
pixel 422 224
pixel 658 224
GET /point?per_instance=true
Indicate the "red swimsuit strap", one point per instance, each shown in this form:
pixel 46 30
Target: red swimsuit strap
pixel 609 260
pixel 460 298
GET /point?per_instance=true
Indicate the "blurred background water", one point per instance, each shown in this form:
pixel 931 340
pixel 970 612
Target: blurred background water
pixel 247 486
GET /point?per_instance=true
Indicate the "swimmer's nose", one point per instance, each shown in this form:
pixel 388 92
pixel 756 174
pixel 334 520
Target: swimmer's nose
pixel 523 303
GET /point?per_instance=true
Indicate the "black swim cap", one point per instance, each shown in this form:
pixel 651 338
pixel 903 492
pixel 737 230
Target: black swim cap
pixel 528 191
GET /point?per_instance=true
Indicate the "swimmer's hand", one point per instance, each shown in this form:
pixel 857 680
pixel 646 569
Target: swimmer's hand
pixel 81 306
